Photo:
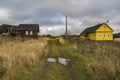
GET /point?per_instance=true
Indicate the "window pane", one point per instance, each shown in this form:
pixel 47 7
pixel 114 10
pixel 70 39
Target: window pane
pixel 104 35
pixel 26 32
pixel 100 35
pixel 108 35
pixel 31 32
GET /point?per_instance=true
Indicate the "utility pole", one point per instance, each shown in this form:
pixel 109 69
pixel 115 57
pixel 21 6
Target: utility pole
pixel 66 33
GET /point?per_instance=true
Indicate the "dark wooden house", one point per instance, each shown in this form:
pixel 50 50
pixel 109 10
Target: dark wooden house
pixel 1 29
pixel 116 35
pixel 26 30
pixel 22 30
pixel 6 29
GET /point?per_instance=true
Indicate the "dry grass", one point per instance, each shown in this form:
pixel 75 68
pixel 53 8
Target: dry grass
pixel 104 58
pixel 25 59
pixel 20 52
pixel 62 41
pixel 117 40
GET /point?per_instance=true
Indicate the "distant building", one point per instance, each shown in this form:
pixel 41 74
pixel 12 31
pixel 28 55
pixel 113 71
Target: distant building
pixel 7 29
pixel 22 30
pixel 116 35
pixel 100 32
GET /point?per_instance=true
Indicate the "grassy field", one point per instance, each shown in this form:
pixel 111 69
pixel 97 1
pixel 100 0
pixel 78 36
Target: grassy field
pixel 26 59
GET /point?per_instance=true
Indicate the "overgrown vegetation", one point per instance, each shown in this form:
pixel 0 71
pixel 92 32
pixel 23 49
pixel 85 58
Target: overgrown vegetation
pixel 104 58
pixel 26 59
pixel 20 53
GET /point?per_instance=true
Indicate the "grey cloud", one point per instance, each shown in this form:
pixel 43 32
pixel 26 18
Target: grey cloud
pixel 4 16
pixel 45 12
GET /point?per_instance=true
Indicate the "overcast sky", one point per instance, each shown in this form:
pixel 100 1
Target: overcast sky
pixel 50 14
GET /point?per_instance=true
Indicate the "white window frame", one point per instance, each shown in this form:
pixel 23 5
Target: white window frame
pixel 26 32
pixel 31 32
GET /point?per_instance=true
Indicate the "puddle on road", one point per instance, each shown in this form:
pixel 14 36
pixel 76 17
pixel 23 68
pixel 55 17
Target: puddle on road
pixel 63 61
pixel 51 60
pixel 60 60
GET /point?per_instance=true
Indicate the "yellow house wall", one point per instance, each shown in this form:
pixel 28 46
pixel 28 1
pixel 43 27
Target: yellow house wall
pixel 104 33
pixel 104 36
pixel 92 36
pixel 82 36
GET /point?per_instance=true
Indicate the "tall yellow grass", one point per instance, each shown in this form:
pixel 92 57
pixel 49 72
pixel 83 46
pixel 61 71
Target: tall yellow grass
pixel 20 52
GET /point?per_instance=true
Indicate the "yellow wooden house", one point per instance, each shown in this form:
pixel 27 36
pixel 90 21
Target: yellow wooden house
pixel 100 32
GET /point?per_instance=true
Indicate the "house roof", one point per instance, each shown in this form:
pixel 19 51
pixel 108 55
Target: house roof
pixel 34 27
pixel 93 29
pixel 28 27
pixel 0 27
pixel 7 26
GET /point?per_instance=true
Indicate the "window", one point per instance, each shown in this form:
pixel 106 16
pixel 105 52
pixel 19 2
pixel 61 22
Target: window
pixel 31 32
pixel 7 30
pixel 100 35
pixel 26 32
pixel 104 35
pixel 104 26
pixel 108 35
